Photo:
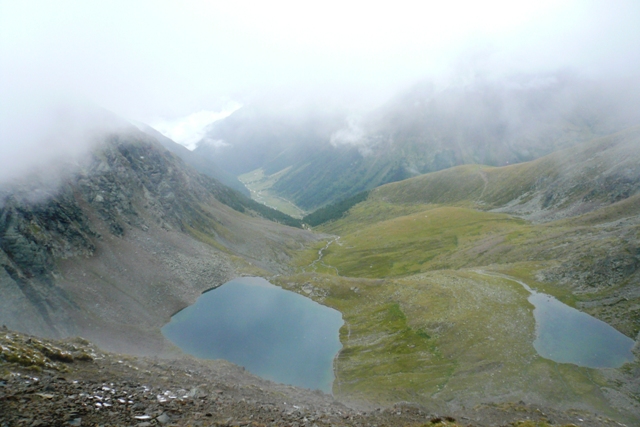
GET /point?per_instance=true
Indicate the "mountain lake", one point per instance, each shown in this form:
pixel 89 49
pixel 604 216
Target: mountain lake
pixel 276 334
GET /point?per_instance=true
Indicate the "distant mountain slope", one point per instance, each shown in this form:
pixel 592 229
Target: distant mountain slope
pixel 563 184
pixel 201 164
pixel 334 210
pixel 124 241
pixel 332 156
pixel 258 136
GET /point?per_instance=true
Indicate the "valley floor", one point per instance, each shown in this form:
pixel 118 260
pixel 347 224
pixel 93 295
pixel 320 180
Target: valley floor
pixel 260 185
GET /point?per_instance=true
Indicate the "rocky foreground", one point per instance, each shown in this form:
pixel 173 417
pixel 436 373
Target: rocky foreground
pixel 74 383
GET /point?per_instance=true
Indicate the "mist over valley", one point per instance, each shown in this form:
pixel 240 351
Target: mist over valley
pixel 457 186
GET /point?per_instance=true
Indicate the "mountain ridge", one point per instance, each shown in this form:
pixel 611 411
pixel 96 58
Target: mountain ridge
pixel 584 178
pixel 207 167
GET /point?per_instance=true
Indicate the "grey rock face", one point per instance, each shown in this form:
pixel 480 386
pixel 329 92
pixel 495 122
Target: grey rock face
pixel 116 244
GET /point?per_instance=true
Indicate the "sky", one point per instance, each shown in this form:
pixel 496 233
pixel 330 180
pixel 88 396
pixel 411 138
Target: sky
pixel 180 63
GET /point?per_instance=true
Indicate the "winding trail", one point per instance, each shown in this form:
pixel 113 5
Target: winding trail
pixel 504 276
pixel 320 255
pixel 483 175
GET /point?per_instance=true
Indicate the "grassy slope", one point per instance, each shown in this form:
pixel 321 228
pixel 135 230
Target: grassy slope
pixel 414 243
pixel 434 237
pixel 422 324
pixel 587 173
pixel 445 338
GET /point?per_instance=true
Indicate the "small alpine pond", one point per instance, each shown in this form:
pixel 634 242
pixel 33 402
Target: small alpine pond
pixel 274 333
pixel 567 335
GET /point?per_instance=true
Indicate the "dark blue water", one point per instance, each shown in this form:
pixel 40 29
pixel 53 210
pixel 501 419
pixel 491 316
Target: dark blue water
pixel 276 334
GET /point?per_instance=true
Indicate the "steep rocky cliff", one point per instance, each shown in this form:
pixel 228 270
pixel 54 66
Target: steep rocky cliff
pixel 122 240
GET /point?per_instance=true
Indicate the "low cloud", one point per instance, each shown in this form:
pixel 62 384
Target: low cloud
pixel 353 134
pixel 45 140
pixel 215 143
pixel 41 133
pixel 190 130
